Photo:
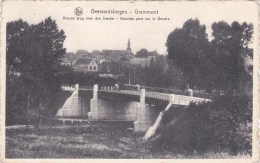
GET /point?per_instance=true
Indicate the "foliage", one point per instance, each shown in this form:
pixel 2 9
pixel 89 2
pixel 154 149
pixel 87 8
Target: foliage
pixel 215 126
pixel 143 53
pixel 188 47
pixel 70 77
pixel 33 63
pixel 229 49
pixel 220 63
pixel 159 72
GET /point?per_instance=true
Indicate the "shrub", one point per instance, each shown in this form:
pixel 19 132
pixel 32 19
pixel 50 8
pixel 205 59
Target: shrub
pixel 221 125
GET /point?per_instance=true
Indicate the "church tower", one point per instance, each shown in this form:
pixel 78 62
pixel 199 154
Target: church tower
pixel 129 47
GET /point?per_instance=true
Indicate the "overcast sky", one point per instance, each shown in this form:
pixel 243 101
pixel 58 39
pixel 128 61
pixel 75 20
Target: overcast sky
pixel 152 35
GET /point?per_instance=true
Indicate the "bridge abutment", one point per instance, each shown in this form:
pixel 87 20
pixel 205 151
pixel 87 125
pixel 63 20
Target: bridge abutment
pixel 152 130
pixel 71 107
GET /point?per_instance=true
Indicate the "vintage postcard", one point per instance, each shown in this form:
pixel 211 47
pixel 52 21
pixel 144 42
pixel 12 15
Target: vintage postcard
pixel 124 81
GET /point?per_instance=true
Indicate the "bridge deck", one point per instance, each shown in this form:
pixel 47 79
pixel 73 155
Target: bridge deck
pixel 178 99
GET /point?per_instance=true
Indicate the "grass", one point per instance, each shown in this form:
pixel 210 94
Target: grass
pixel 104 141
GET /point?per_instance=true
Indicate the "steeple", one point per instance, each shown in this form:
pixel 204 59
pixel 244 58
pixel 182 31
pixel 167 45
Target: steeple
pixel 129 46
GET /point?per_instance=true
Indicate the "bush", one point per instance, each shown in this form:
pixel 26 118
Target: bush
pixel 221 125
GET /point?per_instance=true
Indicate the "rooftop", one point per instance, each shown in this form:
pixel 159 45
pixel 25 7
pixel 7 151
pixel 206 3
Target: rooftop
pixel 83 61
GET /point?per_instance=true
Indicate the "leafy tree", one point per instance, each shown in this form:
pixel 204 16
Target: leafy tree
pixel 229 49
pixel 143 53
pixel 219 64
pixel 34 53
pixel 15 35
pixel 207 127
pixel 71 57
pixel 188 47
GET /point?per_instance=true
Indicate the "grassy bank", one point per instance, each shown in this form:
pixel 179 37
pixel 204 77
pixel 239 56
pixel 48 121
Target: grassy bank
pixel 86 142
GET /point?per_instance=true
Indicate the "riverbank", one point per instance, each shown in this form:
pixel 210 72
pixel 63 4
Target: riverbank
pixel 87 141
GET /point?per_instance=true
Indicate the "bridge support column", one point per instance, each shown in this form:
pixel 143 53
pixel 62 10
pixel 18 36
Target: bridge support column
pixel 143 121
pixel 93 114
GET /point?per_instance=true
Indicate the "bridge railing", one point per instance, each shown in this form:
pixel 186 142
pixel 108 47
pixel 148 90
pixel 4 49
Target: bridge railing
pixel 130 92
pixel 156 95
pixel 162 90
pixel 128 87
pixel 185 100
pixel 161 96
pixel 85 87
pixel 149 93
pixel 67 87
pixel 108 88
pixel 113 89
pixel 196 93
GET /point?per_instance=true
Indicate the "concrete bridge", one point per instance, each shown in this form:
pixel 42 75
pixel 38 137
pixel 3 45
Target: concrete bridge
pixel 112 104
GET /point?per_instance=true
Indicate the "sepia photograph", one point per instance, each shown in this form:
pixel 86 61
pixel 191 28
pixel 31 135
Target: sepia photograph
pixel 156 80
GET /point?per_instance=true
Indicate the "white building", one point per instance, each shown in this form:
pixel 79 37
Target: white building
pixel 86 65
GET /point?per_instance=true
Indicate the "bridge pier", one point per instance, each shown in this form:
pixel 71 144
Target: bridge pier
pixel 93 114
pixel 143 122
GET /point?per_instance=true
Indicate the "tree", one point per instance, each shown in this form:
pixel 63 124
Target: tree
pixel 34 53
pixel 229 49
pixel 143 53
pixel 188 47
pixel 71 57
pixel 15 35
pixel 219 64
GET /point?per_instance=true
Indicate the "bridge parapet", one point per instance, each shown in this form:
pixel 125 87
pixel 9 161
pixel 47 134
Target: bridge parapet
pixel 160 96
pixel 85 87
pixel 178 99
pixel 68 88
pixel 186 100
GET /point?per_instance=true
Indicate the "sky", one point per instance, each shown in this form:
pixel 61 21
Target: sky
pixel 104 34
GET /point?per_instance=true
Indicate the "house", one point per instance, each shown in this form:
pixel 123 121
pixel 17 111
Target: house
pixel 85 65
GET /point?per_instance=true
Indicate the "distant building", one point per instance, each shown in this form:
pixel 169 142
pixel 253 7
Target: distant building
pixel 86 65
pixel 106 54
pixel 104 60
pixel 116 55
pixel 97 57
pixel 128 49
